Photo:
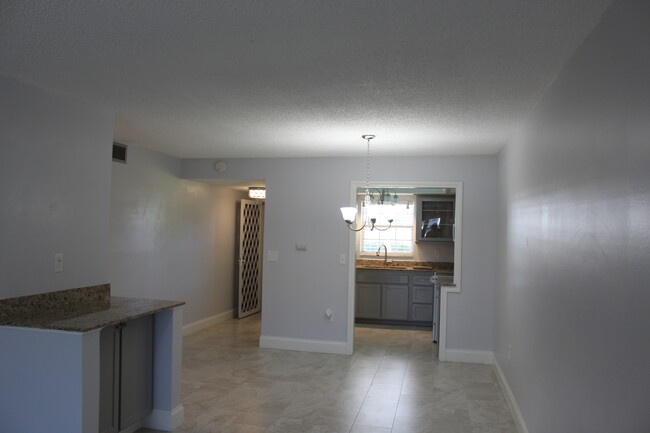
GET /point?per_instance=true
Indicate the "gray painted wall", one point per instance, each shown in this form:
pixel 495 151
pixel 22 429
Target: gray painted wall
pixel 50 381
pixel 55 190
pixel 573 300
pixel 172 238
pixel 304 196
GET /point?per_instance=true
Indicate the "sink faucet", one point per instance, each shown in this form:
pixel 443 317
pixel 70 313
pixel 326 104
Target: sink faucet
pixel 385 253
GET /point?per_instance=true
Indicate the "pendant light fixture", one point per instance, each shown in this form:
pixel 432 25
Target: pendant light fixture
pixel 350 212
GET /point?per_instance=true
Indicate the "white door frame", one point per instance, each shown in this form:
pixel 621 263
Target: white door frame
pixel 444 291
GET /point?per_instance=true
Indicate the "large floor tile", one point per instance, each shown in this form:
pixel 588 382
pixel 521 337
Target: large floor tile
pixel 393 383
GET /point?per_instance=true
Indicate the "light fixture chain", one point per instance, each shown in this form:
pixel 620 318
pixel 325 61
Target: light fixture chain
pixel 368 166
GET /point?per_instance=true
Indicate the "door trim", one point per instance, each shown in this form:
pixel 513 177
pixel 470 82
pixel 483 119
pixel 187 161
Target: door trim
pixel 442 342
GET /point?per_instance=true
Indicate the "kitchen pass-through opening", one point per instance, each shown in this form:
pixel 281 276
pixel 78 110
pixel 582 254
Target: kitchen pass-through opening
pixel 403 270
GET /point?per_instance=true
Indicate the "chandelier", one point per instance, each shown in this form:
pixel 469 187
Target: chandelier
pixel 350 212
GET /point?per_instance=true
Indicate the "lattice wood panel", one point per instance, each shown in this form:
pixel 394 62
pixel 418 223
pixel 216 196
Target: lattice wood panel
pixel 250 263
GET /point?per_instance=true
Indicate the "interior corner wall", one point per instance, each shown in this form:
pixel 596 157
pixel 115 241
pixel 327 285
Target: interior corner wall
pixel 573 304
pixel 172 238
pixel 302 207
pixel 55 188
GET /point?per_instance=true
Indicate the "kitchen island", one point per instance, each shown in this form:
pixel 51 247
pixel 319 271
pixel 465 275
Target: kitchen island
pixel 51 359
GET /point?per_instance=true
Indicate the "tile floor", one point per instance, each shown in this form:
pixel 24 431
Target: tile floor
pixel 392 384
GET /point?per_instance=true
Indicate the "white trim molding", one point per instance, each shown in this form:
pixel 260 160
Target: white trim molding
pixel 319 346
pixel 442 339
pixel 465 355
pixel 510 398
pixel 200 325
pixel 457 257
pixel 166 420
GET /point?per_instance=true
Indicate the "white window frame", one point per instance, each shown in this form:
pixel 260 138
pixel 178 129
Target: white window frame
pixel 370 254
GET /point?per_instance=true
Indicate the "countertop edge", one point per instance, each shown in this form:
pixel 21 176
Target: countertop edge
pixel 126 309
pixel 124 318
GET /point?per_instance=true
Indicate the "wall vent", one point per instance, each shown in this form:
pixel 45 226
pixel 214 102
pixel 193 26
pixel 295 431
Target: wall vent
pixel 119 152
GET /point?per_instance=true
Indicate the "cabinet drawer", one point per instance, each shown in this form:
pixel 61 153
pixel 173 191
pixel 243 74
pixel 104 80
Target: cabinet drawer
pixel 424 280
pixel 382 277
pixel 422 312
pixel 422 294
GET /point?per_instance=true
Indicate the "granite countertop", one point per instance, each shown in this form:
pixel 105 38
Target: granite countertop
pixel 405 265
pixel 77 310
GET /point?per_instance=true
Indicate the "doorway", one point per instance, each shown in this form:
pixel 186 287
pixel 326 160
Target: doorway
pixel 249 263
pixel 445 288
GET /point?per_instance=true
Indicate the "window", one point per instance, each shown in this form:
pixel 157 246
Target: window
pixel 398 239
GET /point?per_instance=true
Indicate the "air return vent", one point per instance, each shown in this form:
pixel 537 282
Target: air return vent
pixel 119 152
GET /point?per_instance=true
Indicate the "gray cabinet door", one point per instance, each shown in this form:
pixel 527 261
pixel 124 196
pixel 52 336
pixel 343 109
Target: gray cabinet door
pixel 435 218
pixel 422 294
pixel 109 359
pixel 395 302
pixel 136 370
pixel 126 374
pixel 422 312
pixel 368 302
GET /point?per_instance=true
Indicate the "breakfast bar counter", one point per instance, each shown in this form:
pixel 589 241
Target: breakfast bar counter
pixel 51 359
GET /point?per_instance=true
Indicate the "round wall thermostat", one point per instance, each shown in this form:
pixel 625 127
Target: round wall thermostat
pixel 220 166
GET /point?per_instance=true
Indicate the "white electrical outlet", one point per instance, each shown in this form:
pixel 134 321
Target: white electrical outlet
pixel 272 256
pixel 58 262
pixel 343 259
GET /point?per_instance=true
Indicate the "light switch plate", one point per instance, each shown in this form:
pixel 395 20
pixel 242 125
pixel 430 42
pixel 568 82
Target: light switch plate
pixel 58 262
pixel 272 256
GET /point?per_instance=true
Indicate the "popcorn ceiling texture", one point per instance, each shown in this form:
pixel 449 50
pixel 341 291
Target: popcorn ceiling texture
pixel 286 78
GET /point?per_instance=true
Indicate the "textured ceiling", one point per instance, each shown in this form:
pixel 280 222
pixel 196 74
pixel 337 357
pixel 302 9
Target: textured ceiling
pixel 299 78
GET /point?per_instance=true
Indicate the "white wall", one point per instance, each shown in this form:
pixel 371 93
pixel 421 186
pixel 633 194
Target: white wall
pixel 302 206
pixel 50 381
pixel 172 238
pixel 573 298
pixel 55 186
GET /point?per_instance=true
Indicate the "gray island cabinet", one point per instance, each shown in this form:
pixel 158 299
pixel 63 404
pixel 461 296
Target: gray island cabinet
pixel 126 374
pixel 394 297
pixel 82 361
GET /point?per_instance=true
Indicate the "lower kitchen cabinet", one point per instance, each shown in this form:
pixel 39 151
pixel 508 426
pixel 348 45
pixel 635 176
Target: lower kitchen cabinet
pixel 421 312
pixel 398 297
pixel 126 374
pixel 368 305
pixel 395 302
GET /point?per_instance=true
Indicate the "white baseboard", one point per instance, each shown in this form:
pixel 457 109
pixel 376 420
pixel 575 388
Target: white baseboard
pixel 166 420
pixel 510 398
pixel 199 325
pixel 320 346
pixel 473 356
